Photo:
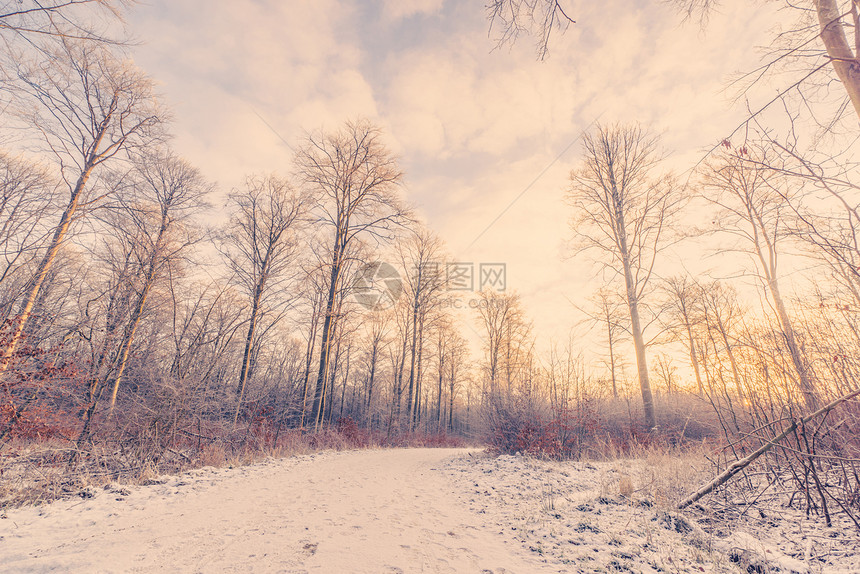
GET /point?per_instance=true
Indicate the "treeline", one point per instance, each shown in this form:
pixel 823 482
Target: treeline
pixel 735 360
pixel 778 369
pixel 143 315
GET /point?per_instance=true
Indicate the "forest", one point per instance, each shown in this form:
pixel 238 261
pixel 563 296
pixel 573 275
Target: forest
pixel 153 321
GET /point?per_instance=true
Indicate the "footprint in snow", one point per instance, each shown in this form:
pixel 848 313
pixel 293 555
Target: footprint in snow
pixel 310 548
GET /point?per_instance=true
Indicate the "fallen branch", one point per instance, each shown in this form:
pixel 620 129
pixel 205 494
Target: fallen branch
pixel 176 452
pixel 741 464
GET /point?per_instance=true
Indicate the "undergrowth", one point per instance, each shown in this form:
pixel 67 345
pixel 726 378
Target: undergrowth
pixel 597 429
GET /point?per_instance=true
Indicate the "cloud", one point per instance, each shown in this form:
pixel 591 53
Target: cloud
pixel 395 10
pixel 474 126
pixel 485 104
pixel 232 69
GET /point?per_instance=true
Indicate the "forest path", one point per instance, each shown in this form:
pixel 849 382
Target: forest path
pixel 374 511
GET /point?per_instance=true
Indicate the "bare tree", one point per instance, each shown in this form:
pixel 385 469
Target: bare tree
pixel 443 340
pixel 623 213
pixel 609 314
pixel 77 19
pixel 456 357
pixel 821 192
pixel 683 295
pixel 259 247
pixel 452 358
pixel 510 393
pixel 503 320
pixel 516 17
pixel 722 316
pixel 397 356
pixel 205 318
pixel 419 256
pixel 819 43
pixel 755 202
pixel 840 53
pixel 166 192
pixel 377 327
pixel 26 199
pixel 355 179
pixel 87 107
pixel 152 214
pixel 665 372
pixel 111 292
pixel 314 295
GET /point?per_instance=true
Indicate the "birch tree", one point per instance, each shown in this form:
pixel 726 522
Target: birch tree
pixel 622 212
pixel 87 108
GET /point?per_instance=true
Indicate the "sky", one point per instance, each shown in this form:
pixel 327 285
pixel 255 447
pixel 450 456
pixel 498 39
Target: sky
pixel 486 135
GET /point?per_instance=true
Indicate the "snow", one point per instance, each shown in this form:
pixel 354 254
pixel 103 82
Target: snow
pixel 619 516
pixel 355 511
pixel 408 510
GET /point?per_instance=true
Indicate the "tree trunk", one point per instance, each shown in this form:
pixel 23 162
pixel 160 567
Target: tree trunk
pixel 331 378
pixel 414 349
pixel 325 347
pixel 398 383
pixel 694 359
pixel 741 464
pixel 805 384
pixel 451 403
pixel 612 360
pixel 416 415
pixel 246 355
pixel 312 339
pixel 137 314
pixel 345 379
pixel 47 261
pixel 845 61
pixel 369 403
pixel 769 268
pixel 439 387
pixel 127 341
pixel 633 306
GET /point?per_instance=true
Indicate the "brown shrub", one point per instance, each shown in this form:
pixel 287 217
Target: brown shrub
pixel 597 428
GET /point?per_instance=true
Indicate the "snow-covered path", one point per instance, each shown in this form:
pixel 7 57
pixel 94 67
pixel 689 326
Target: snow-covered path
pixel 373 511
